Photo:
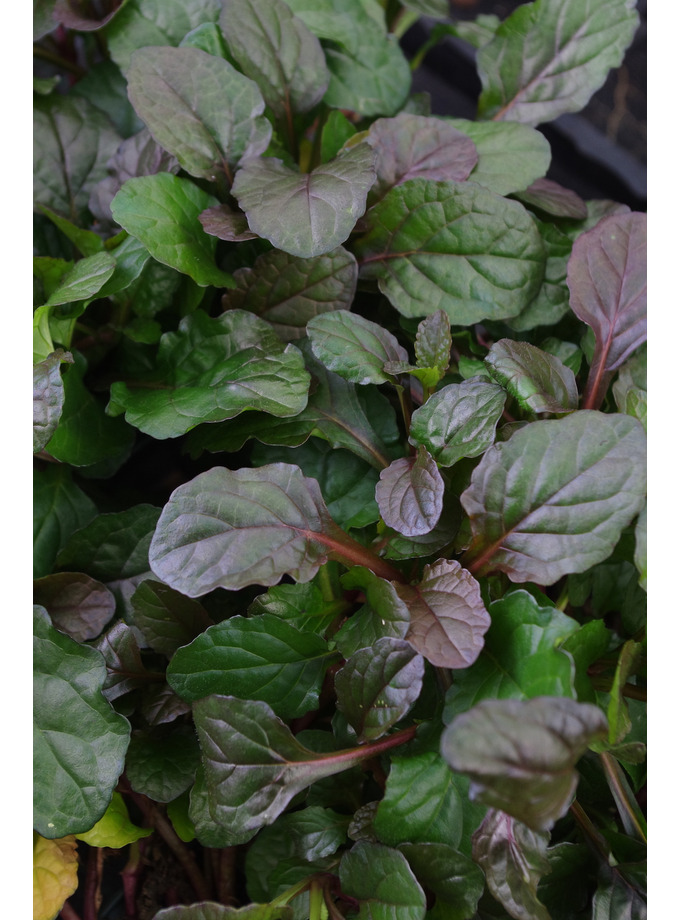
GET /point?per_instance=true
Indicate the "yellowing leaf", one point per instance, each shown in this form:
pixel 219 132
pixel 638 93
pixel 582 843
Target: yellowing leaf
pixel 114 829
pixel 55 874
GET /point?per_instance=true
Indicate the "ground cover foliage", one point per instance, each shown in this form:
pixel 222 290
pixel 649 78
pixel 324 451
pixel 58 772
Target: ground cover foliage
pixel 339 435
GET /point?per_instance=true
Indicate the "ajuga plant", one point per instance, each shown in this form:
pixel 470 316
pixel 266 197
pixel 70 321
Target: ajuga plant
pixel 339 434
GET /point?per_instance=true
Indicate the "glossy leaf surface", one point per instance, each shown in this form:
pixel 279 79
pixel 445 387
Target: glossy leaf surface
pixel 536 379
pixel 354 347
pixel 305 214
pixel 77 604
pixel 410 494
pixel 257 658
pixel 582 481
pixel 438 245
pixel 60 507
pixel 454 878
pixel 550 56
pixel 381 880
pixel 166 618
pixel 114 829
pixel 48 398
pixel 520 754
pixel 161 764
pixel 198 107
pixel 79 740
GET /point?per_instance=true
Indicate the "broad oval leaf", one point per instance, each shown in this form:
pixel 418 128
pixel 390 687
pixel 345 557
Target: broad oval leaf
pixel 452 246
pixel 416 147
pixel 577 483
pixel 455 880
pixel 199 108
pixel 254 765
pixel 289 292
pixel 166 619
pixel 276 50
pixel 459 420
pixel 354 347
pixel 55 874
pixel 84 280
pixel 410 494
pixel 537 380
pixel 511 155
pixel 448 616
pixel 305 214
pixel 162 211
pixel 258 658
pixel 550 56
pixel 226 224
pixel 48 397
pixel 520 754
pixel 381 880
pixel 114 829
pixel 234 528
pixel 79 740
pixel 514 859
pixel 377 686
pixel 607 278
pixel 60 507
pixel 213 369
pixel 554 199
pixel 161 764
pixel 383 614
pixel 77 604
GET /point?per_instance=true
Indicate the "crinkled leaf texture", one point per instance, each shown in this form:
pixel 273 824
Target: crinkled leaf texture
pixel 55 874
pixel 410 494
pixel 77 604
pixel 453 246
pixel 258 658
pixel 454 878
pixel 253 764
pixel 538 381
pixel 354 347
pixel 305 214
pixel 520 754
pixel 79 740
pixel 199 108
pixel 448 616
pixel 550 56
pixel 378 685
pixel 576 483
pixel 48 397
pixel 211 910
pixel 213 369
pixel 381 880
pixel 230 529
pixel 514 858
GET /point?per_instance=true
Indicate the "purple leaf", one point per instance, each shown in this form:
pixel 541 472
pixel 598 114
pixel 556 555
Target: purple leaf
pixel 226 224
pixel 607 279
pixel 410 494
pixel 554 199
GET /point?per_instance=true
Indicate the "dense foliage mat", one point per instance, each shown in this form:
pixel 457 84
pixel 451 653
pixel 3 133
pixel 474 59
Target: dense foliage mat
pixel 339 436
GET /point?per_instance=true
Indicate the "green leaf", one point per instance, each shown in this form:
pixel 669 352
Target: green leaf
pixel 459 420
pixel 48 397
pixel 199 108
pixel 537 380
pixel 384 614
pixel 630 658
pixel 73 142
pixel 258 658
pixel 84 280
pixel 581 481
pixel 585 646
pixel 143 23
pixel 354 347
pixel 550 56
pixel 211 910
pixel 607 278
pixel 305 214
pixel 114 829
pixel 422 802
pixel 243 527
pixel 521 657
pixel 276 50
pixel 289 292
pixel 165 618
pixel 615 898
pixel 254 765
pixel 410 494
pixel 630 387
pixel 641 546
pixel 77 604
pixel 85 436
pixel 452 246
pixel 87 242
pixel 79 741
pixel 511 155
pixel 106 88
pixel 302 604
pixel 416 147
pixel 448 617
pixel 377 686
pixel 514 859
pixel 520 754
pixel 433 342
pixel 213 369
pixel 207 37
pixel 381 880
pixel 552 301
pixel 161 211
pixel 335 134
pixel 59 509
pixel 455 880
pixel 347 482
pixel 162 763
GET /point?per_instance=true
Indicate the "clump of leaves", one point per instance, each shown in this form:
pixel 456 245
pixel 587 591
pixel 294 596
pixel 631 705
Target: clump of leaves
pixel 340 527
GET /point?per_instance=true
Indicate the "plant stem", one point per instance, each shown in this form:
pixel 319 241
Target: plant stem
pixel 68 913
pixel 632 691
pixel 631 815
pixel 315 900
pixel 226 877
pixel 593 837
pixel 92 894
pixel 183 855
pixel 57 60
